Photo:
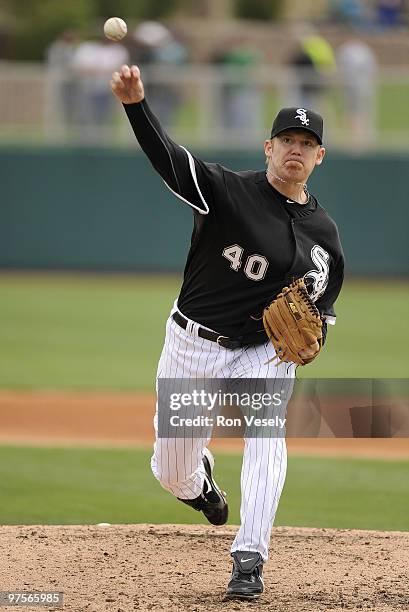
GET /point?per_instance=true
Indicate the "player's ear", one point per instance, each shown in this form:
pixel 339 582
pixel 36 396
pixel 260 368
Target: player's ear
pixel 320 156
pixel 268 147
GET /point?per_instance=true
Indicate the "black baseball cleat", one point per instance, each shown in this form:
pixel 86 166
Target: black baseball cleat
pixel 212 501
pixel 246 581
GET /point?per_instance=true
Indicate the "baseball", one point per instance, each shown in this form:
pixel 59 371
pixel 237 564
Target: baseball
pixel 115 28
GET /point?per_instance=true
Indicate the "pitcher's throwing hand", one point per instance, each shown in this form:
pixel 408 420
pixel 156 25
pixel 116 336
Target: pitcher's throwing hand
pixel 127 85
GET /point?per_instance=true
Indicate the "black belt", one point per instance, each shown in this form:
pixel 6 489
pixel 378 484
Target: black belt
pixel 224 341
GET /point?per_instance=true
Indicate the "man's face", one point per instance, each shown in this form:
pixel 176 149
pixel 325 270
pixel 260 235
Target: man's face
pixel 293 155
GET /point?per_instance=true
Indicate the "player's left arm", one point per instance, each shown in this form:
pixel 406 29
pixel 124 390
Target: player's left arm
pixel 325 303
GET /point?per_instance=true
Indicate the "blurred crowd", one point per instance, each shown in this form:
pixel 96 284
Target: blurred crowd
pixel 87 65
pixel 380 14
pixel 80 71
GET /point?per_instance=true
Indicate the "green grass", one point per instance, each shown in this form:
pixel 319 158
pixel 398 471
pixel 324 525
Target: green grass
pixel 346 493
pixel 366 342
pixel 82 332
pixel 89 332
pixel 76 485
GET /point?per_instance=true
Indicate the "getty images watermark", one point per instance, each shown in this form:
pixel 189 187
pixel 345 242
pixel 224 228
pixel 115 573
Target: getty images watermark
pixel 222 407
pixel 213 402
pixel 340 408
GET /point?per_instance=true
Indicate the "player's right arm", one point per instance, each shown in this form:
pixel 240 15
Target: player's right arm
pixel 186 176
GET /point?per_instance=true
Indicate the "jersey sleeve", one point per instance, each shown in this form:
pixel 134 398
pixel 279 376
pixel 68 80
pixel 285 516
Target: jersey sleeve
pixel 325 304
pixel 190 179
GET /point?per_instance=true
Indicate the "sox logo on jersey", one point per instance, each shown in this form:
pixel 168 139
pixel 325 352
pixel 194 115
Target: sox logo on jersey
pixel 318 277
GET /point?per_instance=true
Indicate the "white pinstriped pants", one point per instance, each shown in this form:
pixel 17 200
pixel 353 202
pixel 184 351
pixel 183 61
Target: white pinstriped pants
pixel 177 462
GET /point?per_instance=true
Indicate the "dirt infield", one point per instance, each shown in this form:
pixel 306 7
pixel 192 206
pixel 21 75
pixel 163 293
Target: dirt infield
pixel 122 568
pixel 125 419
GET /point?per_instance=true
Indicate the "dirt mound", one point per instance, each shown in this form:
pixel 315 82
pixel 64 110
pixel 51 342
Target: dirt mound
pixel 122 568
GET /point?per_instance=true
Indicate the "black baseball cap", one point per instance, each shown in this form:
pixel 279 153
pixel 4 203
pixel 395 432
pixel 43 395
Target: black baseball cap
pixel 298 118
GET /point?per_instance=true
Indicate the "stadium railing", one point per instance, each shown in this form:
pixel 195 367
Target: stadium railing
pixel 203 105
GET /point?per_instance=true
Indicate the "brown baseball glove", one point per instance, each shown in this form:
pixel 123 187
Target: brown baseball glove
pixel 293 323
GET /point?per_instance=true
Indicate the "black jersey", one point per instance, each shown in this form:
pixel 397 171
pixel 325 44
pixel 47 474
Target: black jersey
pixel 248 239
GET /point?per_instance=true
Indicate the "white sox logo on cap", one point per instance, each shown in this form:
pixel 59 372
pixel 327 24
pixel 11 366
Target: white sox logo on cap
pixel 302 116
pixel 294 118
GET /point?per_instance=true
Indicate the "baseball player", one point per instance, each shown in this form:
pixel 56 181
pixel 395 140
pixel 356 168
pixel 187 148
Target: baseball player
pixel 254 232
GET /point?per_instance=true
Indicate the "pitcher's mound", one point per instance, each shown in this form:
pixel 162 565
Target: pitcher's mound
pixel 122 568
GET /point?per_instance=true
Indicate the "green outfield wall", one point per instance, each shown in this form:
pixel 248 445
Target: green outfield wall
pixel 108 210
